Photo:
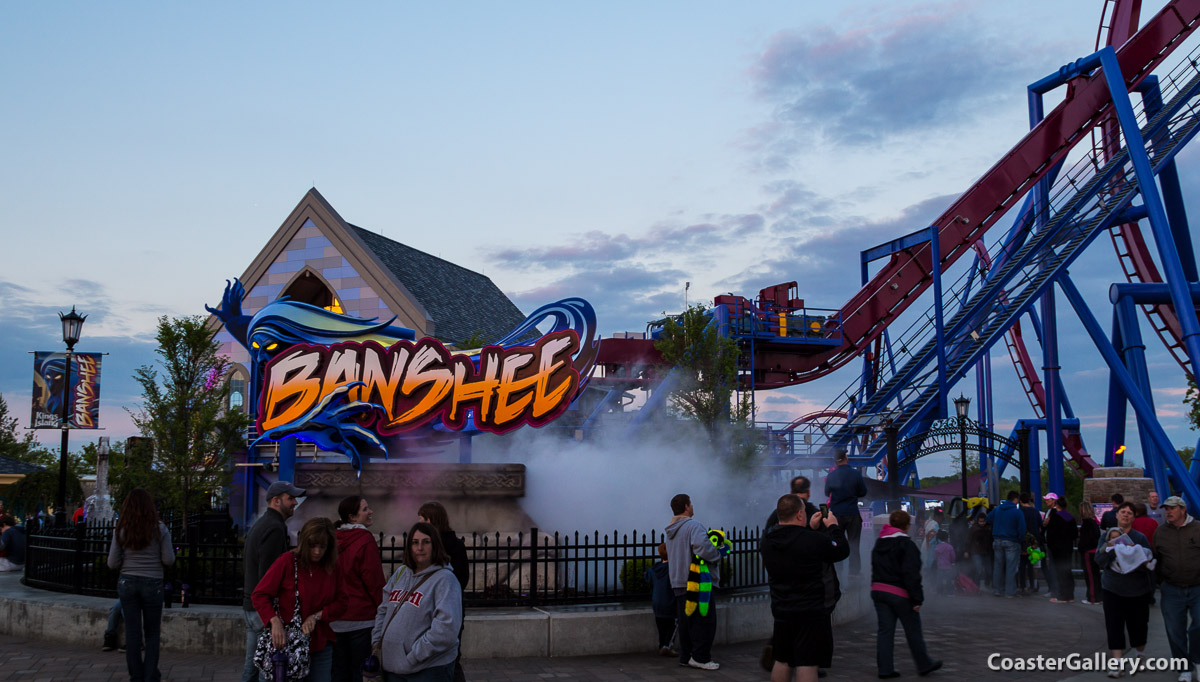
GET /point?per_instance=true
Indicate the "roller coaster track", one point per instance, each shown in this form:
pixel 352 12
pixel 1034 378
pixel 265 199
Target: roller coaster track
pixel 1118 21
pixel 1091 197
pixel 909 272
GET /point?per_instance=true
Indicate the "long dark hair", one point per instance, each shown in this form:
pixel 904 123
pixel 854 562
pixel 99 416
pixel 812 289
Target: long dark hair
pixel 438 555
pixel 313 532
pixel 348 507
pixel 138 525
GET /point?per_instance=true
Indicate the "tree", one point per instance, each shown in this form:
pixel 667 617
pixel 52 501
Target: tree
pixel 21 447
pixel 1192 400
pixel 39 489
pixel 183 413
pixel 708 363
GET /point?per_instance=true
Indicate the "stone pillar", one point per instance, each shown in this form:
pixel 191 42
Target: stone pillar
pixel 1129 481
pixel 101 510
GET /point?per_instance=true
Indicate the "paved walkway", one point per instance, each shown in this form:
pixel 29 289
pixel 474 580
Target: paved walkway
pixel 962 631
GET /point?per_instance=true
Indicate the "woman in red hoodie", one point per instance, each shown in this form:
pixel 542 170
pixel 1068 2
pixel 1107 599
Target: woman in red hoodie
pixel 314 563
pixel 362 579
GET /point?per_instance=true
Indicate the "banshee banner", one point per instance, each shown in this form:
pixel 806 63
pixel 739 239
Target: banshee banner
pixel 49 390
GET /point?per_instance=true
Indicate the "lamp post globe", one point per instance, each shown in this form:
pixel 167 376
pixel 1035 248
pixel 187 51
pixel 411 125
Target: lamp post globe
pixel 72 328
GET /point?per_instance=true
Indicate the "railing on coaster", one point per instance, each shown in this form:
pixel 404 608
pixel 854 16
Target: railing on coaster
pixel 506 569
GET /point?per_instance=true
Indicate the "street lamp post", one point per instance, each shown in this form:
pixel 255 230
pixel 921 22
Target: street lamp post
pixel 72 325
pixel 961 405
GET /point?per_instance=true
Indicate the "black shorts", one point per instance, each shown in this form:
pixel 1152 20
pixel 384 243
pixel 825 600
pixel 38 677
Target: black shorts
pixel 804 641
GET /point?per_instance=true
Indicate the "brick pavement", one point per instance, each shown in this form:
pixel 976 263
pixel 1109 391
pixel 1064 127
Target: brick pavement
pixel 961 631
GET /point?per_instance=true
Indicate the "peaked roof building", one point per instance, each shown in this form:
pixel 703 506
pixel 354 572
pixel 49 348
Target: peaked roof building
pixel 317 257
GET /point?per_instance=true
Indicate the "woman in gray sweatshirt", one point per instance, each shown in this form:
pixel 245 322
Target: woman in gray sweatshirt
pixel 416 626
pixel 141 546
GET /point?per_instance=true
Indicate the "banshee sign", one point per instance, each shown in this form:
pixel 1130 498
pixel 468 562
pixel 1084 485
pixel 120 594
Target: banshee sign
pixel 346 383
pixel 50 390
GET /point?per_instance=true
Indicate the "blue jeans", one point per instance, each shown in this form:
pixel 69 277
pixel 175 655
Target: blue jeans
pixel 254 626
pixel 888 609
pixel 442 673
pixel 1179 604
pixel 114 620
pixel 977 561
pixel 320 664
pixel 141 604
pixel 1006 557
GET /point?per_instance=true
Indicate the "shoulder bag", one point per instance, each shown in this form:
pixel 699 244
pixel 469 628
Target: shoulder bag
pixel 296 650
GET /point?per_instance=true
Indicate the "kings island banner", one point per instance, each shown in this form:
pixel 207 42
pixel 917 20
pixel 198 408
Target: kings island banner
pixel 49 390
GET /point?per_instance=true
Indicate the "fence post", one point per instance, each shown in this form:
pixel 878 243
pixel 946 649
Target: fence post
pixel 533 533
pixel 78 577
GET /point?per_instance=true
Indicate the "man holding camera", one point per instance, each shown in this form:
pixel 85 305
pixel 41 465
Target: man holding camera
pixel 804 589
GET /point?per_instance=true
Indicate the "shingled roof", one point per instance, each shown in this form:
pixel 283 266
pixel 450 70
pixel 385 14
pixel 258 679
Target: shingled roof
pixel 460 301
pixel 9 465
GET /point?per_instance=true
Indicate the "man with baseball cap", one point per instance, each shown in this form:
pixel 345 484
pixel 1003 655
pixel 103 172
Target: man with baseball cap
pixel 1177 549
pixel 267 539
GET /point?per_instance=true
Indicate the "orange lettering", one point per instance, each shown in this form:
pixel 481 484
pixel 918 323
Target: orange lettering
pixel 292 378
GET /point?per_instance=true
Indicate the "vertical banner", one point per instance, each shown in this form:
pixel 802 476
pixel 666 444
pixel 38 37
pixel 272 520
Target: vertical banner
pixel 49 390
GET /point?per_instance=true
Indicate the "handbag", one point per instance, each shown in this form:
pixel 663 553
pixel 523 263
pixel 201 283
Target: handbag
pixel 296 649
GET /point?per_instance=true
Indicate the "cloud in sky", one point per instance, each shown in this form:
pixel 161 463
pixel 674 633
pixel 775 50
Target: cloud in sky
pixel 666 238
pixel 911 69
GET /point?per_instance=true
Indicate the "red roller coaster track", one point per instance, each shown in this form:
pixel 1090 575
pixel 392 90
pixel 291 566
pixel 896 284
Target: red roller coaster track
pixel 907 274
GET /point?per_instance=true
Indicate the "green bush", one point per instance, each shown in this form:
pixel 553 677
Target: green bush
pixel 633 575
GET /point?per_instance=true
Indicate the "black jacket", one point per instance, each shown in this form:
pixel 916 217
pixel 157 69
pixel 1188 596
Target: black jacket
pixel 267 539
pixel 799 564
pixel 1033 525
pixel 456 549
pixel 897 561
pixel 1089 535
pixel 1061 533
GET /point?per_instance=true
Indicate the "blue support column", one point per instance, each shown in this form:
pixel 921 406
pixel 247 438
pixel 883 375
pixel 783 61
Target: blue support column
pixel 1035 467
pixel 1134 352
pixel 1168 182
pixel 1050 378
pixel 1114 435
pixel 1166 451
pixel 287 459
pixel 1156 213
pixel 464 450
pixel 936 249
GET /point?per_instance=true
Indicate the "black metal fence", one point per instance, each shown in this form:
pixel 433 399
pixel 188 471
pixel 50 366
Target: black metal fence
pixel 516 569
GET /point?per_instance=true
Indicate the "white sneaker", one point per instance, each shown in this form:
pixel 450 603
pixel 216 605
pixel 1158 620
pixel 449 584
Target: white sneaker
pixel 1185 676
pixel 711 665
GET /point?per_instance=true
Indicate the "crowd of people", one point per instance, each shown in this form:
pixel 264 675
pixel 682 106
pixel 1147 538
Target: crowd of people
pixel 324 607
pixel 1132 551
pixel 327 604
pixel 405 628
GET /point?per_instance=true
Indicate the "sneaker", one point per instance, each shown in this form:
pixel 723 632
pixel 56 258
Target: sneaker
pixel 1185 676
pixel 1084 601
pixel 110 643
pixel 664 651
pixel 121 647
pixel 1116 674
pixel 711 665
